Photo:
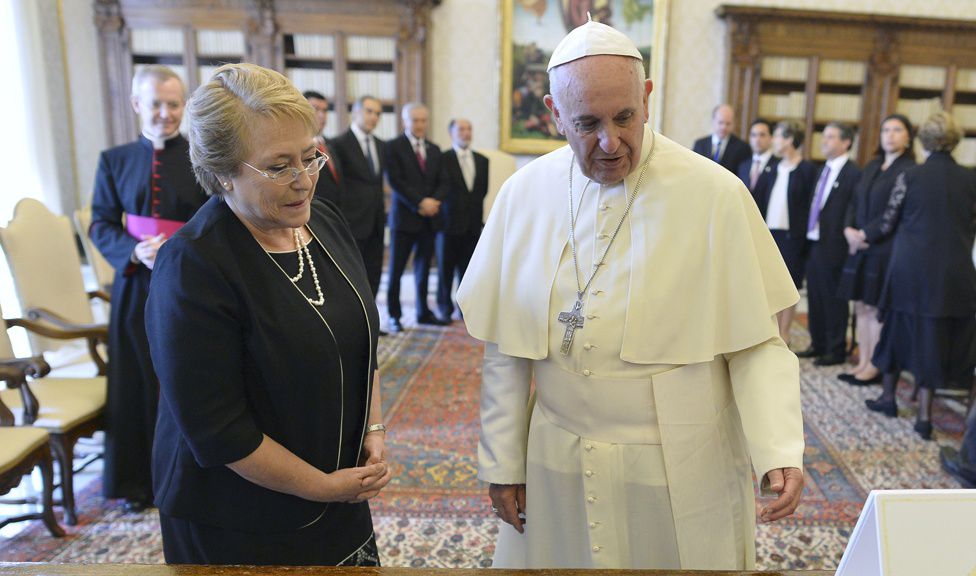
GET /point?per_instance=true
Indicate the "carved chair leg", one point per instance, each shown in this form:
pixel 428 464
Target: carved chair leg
pixel 47 512
pixel 63 449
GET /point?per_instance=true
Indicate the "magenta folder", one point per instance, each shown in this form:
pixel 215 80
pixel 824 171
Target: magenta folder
pixel 137 226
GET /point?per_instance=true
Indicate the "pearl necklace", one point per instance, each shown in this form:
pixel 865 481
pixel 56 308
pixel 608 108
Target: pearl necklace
pixel 304 254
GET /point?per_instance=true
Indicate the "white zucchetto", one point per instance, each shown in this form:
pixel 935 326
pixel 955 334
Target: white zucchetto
pixel 592 39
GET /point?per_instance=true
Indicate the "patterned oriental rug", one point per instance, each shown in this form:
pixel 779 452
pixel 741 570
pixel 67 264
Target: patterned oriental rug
pixel 435 512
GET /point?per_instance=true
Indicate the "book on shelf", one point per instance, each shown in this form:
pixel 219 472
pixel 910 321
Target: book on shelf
pixel 314 46
pixel 388 127
pixel 322 81
pixel 785 69
pixel 842 72
pixel 380 85
pixel 792 105
pixel 220 43
pixel 965 115
pixel 966 80
pixel 370 49
pixel 918 110
pixel 926 77
pixel 162 41
pixel 839 107
pixel 965 152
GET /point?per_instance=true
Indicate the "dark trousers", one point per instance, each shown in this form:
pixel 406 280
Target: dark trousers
pixel 401 245
pixel 453 254
pixel 827 313
pixel 371 249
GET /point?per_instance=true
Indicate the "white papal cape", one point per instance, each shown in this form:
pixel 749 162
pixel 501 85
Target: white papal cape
pixel 637 450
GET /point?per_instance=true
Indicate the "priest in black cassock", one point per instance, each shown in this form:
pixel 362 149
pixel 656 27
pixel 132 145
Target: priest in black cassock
pixel 150 182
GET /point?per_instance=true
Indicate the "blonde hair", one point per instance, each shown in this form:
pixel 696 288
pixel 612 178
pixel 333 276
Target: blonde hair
pixel 939 133
pixel 222 112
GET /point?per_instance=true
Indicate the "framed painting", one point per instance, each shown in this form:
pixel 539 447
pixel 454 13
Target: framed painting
pixel 531 29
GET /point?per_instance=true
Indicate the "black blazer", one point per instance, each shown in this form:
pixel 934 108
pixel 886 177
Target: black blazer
pixel 735 151
pixel 463 209
pixel 871 199
pixel 933 217
pixel 799 193
pixel 328 188
pixel 239 354
pixel 361 196
pixel 745 167
pixel 833 215
pixel 411 185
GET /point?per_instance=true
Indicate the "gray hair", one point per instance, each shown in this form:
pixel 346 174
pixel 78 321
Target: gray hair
pixel 222 112
pixel 410 107
pixel 157 72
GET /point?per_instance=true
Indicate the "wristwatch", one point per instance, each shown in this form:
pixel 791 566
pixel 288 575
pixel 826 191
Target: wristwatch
pixel 376 428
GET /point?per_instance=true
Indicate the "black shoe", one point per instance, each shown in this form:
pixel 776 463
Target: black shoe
pixel 830 360
pixel 810 352
pixel 845 377
pixel 384 333
pixel 855 381
pixel 888 408
pixel 431 320
pixel 135 505
pixel 924 429
pixel 394 326
pixel 953 464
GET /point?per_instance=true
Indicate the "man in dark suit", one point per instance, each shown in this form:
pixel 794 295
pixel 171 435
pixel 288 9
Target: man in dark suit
pixel 465 178
pixel 413 168
pixel 828 248
pixel 755 172
pixel 330 177
pixel 360 198
pixel 722 145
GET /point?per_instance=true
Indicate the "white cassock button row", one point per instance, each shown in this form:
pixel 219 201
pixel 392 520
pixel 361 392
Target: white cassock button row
pixel 587 346
pixel 591 499
pixel 597 548
pixel 592 524
pixel 589 473
pixel 587 372
pixel 588 447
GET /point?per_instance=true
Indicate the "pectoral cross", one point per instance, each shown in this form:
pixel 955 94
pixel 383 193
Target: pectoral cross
pixel 573 320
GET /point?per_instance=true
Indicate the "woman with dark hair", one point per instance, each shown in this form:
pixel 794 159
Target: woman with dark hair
pixel 870 247
pixel 929 296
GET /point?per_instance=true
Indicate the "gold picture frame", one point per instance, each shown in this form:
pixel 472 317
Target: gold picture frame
pixel 530 31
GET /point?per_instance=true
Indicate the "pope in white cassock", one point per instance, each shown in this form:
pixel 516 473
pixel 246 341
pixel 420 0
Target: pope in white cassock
pixel 636 283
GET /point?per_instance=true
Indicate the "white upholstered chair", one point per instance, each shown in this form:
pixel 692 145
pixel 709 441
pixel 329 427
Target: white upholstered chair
pixel 46 269
pixel 104 273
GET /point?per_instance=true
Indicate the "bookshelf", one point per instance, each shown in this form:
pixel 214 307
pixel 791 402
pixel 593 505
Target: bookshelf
pixel 341 48
pixel 817 67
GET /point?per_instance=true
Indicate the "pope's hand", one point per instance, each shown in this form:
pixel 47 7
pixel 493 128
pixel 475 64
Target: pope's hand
pixel 509 499
pixel 788 483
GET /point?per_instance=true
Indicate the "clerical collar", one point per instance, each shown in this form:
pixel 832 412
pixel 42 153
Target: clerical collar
pixel 159 143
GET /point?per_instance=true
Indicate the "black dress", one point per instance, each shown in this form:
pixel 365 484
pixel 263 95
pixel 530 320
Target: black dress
pixel 864 272
pixel 929 298
pixel 135 179
pixel 240 354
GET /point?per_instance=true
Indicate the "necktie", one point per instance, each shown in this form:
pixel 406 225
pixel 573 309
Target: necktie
pixel 369 155
pixel 717 151
pixel 754 173
pixel 323 148
pixel 420 158
pixel 818 199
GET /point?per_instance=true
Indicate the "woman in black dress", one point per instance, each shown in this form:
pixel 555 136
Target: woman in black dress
pixel 929 296
pixel 263 333
pixel 870 246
